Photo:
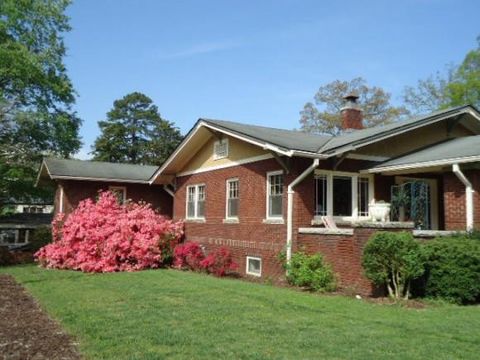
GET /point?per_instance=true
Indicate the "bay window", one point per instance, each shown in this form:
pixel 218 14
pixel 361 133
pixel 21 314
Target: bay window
pixel 342 195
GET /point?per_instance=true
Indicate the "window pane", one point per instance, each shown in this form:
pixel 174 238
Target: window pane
pixel 275 205
pixel 201 208
pixel 276 184
pixel 191 193
pixel 232 207
pixel 321 195
pixel 190 209
pixel 254 266
pixel 201 192
pixel 342 196
pixel 8 236
pixel 363 196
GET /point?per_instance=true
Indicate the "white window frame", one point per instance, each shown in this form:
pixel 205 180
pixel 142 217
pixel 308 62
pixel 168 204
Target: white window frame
pixel 227 197
pixel 246 266
pixel 217 143
pixel 123 189
pixel 269 174
pixel 354 176
pixel 195 201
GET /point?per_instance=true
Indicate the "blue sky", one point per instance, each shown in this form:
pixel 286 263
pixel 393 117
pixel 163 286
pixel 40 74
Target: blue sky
pixel 254 61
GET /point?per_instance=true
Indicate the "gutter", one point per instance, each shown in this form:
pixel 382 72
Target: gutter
pixel 290 193
pixel 468 195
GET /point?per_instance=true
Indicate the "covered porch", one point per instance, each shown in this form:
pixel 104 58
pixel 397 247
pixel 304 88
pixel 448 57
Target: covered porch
pixel 437 187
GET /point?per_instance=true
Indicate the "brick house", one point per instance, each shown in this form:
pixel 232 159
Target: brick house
pixel 76 180
pixel 262 191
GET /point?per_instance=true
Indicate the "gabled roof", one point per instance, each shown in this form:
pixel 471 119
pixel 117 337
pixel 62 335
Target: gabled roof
pixel 454 151
pixel 359 138
pixel 297 143
pixel 284 139
pixel 95 171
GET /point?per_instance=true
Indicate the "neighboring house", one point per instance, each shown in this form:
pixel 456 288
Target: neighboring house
pixel 76 180
pixel 30 206
pixel 262 191
pixel 16 229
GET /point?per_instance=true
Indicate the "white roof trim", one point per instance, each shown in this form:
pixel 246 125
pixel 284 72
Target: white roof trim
pixel 62 177
pixel 174 154
pixel 367 157
pixel 460 160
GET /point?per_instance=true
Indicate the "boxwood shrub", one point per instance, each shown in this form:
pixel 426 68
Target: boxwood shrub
pixel 310 271
pixel 453 269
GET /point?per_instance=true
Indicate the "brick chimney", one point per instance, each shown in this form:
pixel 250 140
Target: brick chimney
pixel 351 113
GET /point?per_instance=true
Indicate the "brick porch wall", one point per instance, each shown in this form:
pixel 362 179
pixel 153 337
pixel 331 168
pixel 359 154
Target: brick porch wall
pixel 75 191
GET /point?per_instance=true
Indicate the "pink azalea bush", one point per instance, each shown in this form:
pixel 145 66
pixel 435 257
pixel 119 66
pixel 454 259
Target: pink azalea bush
pixel 219 262
pixel 190 256
pixel 105 236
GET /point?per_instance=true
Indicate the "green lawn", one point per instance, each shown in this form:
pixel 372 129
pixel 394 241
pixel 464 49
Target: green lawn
pixel 172 314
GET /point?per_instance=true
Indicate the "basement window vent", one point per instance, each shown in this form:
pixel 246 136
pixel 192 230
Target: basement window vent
pixel 220 149
pixel 254 266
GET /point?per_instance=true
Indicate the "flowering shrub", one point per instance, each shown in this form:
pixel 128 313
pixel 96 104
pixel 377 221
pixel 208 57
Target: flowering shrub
pixel 190 256
pixel 219 262
pixel 106 236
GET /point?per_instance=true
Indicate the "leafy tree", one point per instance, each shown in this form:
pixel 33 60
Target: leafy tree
pixel 460 85
pixel 36 94
pixel 324 116
pixel 134 132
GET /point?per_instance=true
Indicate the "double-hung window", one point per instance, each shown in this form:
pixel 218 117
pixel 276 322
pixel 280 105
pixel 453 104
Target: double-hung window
pixel 233 196
pixel 196 201
pixel 275 194
pixel 343 195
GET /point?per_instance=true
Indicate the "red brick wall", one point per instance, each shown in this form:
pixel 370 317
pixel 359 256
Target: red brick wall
pixel 251 236
pixel 454 200
pixel 75 191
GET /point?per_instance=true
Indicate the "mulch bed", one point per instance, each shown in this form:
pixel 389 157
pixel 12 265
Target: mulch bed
pixel 26 331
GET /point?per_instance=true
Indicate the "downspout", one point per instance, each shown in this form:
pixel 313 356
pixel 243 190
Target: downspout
pixel 290 193
pixel 468 195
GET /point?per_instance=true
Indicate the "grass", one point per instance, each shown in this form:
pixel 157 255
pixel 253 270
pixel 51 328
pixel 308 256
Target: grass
pixel 179 315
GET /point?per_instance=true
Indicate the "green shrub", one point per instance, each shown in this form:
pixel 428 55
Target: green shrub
pixel 393 259
pixel 311 272
pixel 453 269
pixel 40 237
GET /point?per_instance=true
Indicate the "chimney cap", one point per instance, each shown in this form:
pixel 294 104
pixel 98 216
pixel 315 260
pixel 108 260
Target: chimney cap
pixel 353 97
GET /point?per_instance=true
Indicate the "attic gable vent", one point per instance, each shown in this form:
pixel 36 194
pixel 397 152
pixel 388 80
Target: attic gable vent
pixel 220 149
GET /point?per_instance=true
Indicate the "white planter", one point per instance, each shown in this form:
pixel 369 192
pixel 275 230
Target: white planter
pixel 380 211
